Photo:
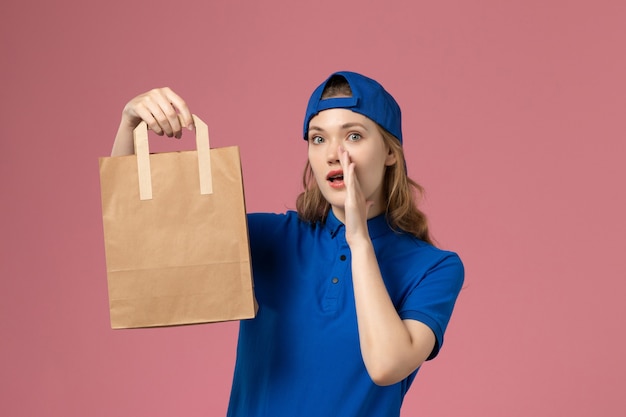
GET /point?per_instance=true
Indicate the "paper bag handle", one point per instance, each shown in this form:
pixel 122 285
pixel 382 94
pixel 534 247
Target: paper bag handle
pixel 142 151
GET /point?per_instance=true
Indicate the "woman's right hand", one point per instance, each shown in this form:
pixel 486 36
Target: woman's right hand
pixel 164 111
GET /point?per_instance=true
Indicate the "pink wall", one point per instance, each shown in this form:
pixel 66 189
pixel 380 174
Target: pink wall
pixel 514 122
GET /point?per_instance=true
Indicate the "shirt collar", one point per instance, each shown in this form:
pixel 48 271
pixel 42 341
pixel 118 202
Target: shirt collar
pixel 376 226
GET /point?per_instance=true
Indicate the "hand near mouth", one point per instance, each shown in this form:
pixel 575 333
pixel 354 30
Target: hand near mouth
pixel 356 206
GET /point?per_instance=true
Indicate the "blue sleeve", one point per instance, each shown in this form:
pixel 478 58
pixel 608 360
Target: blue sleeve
pixel 258 225
pixel 432 299
pixel 266 231
pixel 262 228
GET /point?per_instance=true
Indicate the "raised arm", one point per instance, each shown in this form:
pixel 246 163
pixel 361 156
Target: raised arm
pixel 165 112
pixel 392 348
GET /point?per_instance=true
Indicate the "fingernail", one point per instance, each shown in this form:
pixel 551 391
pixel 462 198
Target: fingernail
pixel 190 127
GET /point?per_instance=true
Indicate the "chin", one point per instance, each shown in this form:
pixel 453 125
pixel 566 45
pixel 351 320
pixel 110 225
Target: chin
pixel 334 198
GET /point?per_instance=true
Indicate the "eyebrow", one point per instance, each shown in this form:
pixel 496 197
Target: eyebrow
pixel 345 126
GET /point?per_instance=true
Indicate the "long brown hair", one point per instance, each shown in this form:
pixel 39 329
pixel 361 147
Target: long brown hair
pixel 400 192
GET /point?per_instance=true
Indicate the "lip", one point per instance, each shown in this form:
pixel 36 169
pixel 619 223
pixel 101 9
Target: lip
pixel 335 183
pixel 334 173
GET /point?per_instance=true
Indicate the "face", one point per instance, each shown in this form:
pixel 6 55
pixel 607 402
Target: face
pixel 362 139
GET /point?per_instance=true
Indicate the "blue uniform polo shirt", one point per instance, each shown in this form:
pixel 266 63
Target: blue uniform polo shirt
pixel 301 356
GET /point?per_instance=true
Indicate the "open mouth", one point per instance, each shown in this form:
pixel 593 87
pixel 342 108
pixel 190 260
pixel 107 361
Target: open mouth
pixel 335 176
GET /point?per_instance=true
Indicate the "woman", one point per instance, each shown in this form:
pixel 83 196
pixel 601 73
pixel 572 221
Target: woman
pixel 353 297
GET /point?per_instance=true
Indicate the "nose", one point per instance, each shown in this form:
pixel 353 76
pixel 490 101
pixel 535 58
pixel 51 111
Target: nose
pixel 332 156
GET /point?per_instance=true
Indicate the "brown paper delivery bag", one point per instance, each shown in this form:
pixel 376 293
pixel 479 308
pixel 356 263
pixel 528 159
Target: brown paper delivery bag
pixel 175 235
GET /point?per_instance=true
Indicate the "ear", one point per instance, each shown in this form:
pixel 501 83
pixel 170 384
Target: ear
pixel 391 158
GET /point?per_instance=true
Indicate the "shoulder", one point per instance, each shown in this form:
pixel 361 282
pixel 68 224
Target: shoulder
pixel 404 252
pixel 440 260
pixel 437 255
pixel 276 223
pixel 272 219
pixel 409 247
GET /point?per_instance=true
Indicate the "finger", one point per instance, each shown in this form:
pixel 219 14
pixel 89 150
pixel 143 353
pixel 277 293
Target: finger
pixel 152 114
pixel 344 161
pixel 147 108
pixel 165 113
pixel 143 108
pixel 349 172
pixel 184 114
pixel 352 183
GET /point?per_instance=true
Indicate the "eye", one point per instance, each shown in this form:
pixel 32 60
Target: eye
pixel 354 137
pixel 316 140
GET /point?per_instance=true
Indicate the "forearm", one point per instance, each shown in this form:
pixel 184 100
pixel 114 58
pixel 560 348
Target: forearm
pixel 391 350
pixel 123 144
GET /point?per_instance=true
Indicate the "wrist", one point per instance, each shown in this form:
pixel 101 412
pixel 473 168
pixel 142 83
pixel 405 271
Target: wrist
pixel 359 242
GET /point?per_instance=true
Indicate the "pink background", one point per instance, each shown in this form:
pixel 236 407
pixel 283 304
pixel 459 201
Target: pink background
pixel 514 123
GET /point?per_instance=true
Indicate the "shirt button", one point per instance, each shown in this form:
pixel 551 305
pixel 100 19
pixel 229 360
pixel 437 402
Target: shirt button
pixel 342 257
pixel 335 280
